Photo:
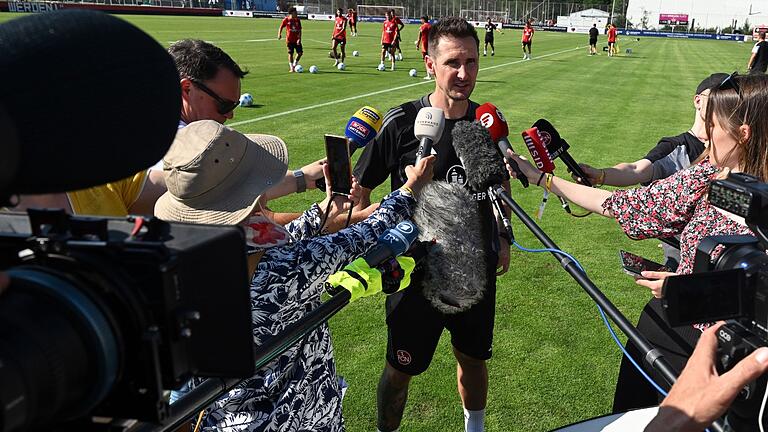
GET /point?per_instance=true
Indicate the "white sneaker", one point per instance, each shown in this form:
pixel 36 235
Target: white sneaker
pixel 427 78
pixel 485 53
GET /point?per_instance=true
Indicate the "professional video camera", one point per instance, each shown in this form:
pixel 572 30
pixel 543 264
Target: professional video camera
pixel 733 287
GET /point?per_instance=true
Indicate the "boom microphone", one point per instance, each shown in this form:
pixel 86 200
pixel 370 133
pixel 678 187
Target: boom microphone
pixel 558 148
pixel 493 120
pixel 81 129
pixel 428 128
pixel 478 154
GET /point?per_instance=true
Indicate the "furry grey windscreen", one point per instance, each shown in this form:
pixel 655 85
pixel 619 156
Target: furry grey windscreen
pixel 482 161
pixel 455 271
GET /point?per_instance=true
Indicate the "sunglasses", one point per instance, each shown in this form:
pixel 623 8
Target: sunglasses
pixel 730 83
pixel 223 106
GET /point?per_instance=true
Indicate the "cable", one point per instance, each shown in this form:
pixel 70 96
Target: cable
pixel 762 409
pixel 602 314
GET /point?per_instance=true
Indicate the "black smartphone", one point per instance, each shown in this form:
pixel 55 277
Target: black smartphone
pixel 634 264
pixel 337 153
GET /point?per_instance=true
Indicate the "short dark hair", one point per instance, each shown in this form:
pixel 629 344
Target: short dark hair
pixel 291 9
pixel 200 60
pixel 761 35
pixel 425 18
pixel 451 26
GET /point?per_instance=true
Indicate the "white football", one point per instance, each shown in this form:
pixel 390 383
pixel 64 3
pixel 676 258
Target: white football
pixel 355 53
pixel 381 67
pixel 299 68
pixel 246 100
pixel 313 69
pixel 412 72
pixel 341 66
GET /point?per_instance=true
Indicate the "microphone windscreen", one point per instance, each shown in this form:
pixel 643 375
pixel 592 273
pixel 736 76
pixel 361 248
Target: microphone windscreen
pixel 482 162
pixel 89 97
pixel 493 120
pixel 363 126
pixel 456 270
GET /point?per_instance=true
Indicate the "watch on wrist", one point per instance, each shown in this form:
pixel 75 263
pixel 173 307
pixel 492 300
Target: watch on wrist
pixel 301 181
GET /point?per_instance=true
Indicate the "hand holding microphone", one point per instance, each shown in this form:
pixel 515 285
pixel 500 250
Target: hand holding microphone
pixel 428 128
pixel 493 120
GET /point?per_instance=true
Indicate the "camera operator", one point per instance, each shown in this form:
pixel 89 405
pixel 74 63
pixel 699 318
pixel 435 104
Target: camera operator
pixel 299 390
pixel 677 205
pixel 700 395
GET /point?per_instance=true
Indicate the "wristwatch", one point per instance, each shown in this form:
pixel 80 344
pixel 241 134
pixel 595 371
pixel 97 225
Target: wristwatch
pixel 301 181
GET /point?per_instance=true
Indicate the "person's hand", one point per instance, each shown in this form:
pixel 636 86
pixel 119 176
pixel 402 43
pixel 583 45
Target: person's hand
pixel 313 172
pixel 420 174
pixel 502 265
pixel 280 36
pixel 593 174
pixel 530 171
pixel 339 204
pixel 700 396
pixel 654 281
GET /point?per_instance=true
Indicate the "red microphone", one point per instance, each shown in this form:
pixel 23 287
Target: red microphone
pixel 493 120
pixel 538 150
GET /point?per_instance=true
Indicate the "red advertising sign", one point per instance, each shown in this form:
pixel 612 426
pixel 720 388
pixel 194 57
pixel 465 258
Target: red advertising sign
pixel 673 19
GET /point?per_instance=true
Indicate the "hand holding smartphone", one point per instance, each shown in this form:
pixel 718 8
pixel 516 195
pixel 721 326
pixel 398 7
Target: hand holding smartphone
pixel 634 265
pixel 337 154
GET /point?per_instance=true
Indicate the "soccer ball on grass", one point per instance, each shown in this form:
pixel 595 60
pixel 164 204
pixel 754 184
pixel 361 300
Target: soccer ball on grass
pixel 355 53
pixel 313 69
pixel 341 66
pixel 381 67
pixel 412 72
pixel 299 69
pixel 246 100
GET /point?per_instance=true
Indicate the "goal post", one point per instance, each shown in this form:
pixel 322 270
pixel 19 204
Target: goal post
pixel 483 15
pixel 379 11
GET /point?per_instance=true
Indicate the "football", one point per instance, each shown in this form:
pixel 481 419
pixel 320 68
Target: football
pixel 355 53
pixel 313 69
pixel 381 67
pixel 299 69
pixel 412 72
pixel 341 66
pixel 246 100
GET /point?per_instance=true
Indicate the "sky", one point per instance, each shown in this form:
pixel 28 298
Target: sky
pixel 707 13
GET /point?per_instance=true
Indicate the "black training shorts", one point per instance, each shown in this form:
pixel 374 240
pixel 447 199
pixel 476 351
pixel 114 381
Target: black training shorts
pixel 489 38
pixel 593 42
pixel 414 327
pixel 295 46
pixel 386 46
pixel 528 44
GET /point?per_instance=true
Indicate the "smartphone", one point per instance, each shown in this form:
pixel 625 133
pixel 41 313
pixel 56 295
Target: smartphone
pixel 337 154
pixel 634 264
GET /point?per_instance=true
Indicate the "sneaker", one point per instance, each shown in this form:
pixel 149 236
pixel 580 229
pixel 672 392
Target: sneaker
pixel 427 78
pixel 493 53
pixel 484 53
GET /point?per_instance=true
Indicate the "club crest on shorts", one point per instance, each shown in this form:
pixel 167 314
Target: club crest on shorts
pixel 456 174
pixel 403 357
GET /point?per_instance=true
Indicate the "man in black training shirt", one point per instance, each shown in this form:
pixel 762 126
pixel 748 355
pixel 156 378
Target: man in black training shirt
pixel 489 28
pixel 414 326
pixel 759 59
pixel 593 32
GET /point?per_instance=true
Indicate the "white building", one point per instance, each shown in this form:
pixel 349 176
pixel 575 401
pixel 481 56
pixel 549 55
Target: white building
pixel 706 13
pixel 582 21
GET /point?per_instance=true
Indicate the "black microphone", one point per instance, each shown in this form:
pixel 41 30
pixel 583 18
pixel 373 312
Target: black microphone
pixel 103 115
pixel 558 148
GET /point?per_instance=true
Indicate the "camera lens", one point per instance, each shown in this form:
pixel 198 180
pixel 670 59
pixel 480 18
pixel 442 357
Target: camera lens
pixel 58 353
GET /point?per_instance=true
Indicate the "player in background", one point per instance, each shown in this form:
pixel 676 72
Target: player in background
pixel 400 27
pixel 612 41
pixel 339 37
pixel 422 42
pixel 593 32
pixel 489 28
pixel 758 61
pixel 292 24
pixel 388 35
pixel 527 39
pixel 352 18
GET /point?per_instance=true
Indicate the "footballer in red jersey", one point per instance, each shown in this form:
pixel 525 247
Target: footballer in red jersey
pixel 422 41
pixel 388 37
pixel 352 18
pixel 612 40
pixel 527 39
pixel 292 24
pixel 400 27
pixel 339 37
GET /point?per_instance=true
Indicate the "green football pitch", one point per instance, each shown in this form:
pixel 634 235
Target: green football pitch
pixel 554 362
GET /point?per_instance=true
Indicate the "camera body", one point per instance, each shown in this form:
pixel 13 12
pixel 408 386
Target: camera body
pixel 102 315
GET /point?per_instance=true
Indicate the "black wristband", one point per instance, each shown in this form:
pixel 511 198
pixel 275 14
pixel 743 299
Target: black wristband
pixel 538 183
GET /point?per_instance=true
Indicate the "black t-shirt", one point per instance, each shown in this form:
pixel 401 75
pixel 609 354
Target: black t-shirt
pixel 693 147
pixel 593 32
pixel 761 59
pixel 395 148
pixel 489 28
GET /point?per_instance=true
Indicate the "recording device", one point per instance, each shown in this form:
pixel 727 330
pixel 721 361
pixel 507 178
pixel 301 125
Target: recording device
pixel 361 129
pixel 428 128
pixel 337 154
pixel 634 265
pixel 493 120
pixel 87 140
pixel 558 148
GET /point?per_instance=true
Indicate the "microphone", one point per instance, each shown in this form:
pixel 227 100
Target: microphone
pixel 80 129
pixel 428 128
pixel 538 151
pixel 558 148
pixel 392 243
pixel 493 120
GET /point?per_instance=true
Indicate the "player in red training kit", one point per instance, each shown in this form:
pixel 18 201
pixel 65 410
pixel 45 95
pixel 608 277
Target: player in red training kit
pixel 527 39
pixel 292 37
pixel 339 37
pixel 612 41
pixel 388 37
pixel 352 18
pixel 400 27
pixel 422 41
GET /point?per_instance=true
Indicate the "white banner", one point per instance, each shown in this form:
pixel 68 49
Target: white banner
pixel 321 17
pixel 237 13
